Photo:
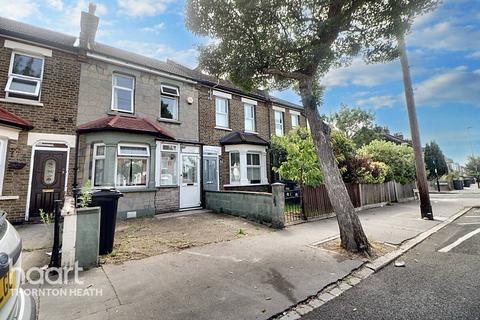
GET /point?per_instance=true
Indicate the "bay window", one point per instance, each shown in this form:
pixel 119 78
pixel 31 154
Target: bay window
pixel 98 165
pixel 123 93
pixel 25 76
pixel 253 168
pixel 169 102
pixel 132 165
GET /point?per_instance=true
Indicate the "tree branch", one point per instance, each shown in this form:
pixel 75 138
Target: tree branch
pixel 286 74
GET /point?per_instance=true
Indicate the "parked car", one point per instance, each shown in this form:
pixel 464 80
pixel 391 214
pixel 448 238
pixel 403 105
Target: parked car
pixel 14 303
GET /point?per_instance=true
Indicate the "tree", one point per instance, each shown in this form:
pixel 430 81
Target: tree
pixel 285 43
pixel 434 159
pixel 399 159
pixel 472 167
pixel 366 135
pixel 351 120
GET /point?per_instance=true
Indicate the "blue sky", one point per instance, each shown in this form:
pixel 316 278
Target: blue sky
pixel 443 48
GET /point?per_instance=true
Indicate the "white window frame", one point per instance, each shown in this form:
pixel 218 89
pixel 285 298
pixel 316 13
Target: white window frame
pixel 245 106
pixel 132 97
pixel 259 165
pixel 170 95
pixel 243 150
pixel 227 105
pixel 281 123
pixel 3 160
pixel 295 116
pixel 120 155
pixel 230 167
pixel 158 167
pixel 12 76
pixel 96 157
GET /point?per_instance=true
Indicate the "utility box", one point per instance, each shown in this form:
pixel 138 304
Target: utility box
pixel 81 235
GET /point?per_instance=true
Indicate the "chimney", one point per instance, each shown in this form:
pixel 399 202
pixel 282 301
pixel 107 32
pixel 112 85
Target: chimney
pixel 88 28
pixel 399 135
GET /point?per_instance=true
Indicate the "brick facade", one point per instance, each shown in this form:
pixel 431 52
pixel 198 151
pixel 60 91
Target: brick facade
pixel 59 96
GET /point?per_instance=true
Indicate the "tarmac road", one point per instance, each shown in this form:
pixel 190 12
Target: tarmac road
pixel 441 280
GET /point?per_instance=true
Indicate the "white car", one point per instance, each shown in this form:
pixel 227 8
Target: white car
pixel 14 303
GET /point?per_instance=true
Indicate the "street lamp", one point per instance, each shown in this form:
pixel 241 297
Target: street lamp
pixel 436 175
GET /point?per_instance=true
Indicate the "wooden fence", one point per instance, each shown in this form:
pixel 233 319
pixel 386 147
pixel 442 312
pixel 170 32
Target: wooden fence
pixel 316 202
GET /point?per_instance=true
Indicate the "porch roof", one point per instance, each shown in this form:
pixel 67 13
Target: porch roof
pixel 11 119
pixel 125 124
pixel 238 137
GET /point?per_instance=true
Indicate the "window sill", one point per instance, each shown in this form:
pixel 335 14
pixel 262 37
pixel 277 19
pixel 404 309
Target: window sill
pixel 135 189
pixel 122 113
pixel 245 185
pixel 22 101
pixel 9 198
pixel 167 186
pixel 252 132
pixel 169 121
pixel 223 128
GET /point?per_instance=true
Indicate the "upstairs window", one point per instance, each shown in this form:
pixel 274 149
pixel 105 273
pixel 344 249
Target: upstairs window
pixel 279 123
pixel 169 102
pixel 221 116
pixel 249 111
pixel 25 76
pixel 122 93
pixel 295 120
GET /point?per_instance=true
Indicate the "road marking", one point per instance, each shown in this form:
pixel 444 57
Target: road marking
pixel 467 223
pixel 471 216
pixel 459 240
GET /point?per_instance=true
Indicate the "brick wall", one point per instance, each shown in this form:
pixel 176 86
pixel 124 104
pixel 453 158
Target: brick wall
pixel 167 199
pixel 209 135
pixel 59 95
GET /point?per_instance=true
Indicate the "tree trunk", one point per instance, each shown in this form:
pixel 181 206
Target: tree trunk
pixel 422 184
pixel 352 236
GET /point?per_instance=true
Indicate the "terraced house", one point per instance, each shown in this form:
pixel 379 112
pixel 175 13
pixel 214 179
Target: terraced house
pixel 157 131
pixel 39 83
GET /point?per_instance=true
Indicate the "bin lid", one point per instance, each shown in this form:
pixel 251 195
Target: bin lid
pixel 107 193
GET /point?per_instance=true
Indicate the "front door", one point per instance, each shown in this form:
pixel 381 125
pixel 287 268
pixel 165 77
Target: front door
pixel 48 180
pixel 190 181
pixel 210 173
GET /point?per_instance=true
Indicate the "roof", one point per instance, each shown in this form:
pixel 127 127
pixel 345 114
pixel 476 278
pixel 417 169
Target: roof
pixel 11 119
pixel 22 30
pixel 138 59
pixel 238 137
pixel 125 124
pixel 286 103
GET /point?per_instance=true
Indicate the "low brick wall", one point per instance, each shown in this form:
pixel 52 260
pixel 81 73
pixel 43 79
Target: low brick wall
pixel 262 207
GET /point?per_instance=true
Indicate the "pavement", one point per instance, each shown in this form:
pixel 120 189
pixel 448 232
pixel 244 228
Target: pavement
pixel 440 281
pixel 250 278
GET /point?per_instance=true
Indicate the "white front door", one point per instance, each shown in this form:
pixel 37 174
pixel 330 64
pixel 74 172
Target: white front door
pixel 190 181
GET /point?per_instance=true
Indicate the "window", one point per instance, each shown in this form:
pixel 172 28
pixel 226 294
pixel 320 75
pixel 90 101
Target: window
pixel 249 111
pixel 122 92
pixel 279 123
pixel 253 167
pixel 234 167
pixel 25 76
pixel 98 165
pixel 132 165
pixel 169 102
pixel 221 107
pixel 295 120
pixel 3 160
pixel 169 165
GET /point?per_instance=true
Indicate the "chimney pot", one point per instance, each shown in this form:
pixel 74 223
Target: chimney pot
pixel 92 7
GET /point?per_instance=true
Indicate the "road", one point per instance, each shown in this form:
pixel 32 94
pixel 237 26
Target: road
pixel 441 280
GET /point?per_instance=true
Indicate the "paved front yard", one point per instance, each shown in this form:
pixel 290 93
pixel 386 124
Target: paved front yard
pixel 142 238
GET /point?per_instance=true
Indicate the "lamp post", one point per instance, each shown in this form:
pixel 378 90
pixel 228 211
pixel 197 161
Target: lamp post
pixel 436 175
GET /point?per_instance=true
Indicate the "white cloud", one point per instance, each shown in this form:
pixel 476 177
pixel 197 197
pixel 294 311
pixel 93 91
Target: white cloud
pixel 55 4
pixel 457 85
pixel 159 51
pixel 155 29
pixel 378 102
pixel 361 74
pixel 137 8
pixel 19 9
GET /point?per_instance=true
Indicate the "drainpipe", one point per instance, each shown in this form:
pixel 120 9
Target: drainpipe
pixel 75 169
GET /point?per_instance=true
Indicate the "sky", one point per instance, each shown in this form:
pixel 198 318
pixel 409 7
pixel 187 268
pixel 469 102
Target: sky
pixel 443 51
